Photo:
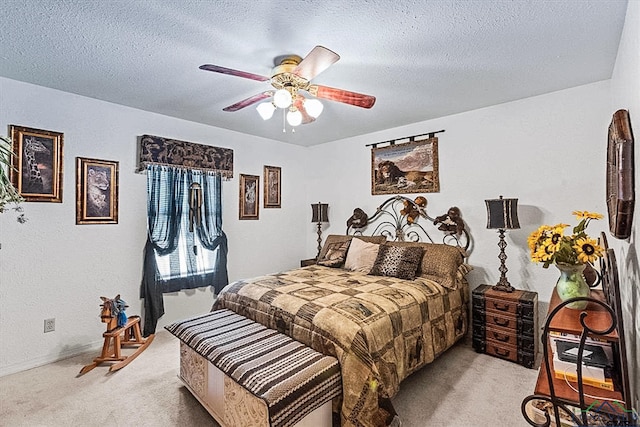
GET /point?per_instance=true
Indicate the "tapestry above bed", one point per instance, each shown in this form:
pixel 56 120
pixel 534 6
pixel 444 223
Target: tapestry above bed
pixel 171 152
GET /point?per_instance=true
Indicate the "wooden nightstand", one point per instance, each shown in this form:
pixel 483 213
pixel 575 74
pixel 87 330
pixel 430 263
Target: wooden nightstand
pixel 505 324
pixel 306 262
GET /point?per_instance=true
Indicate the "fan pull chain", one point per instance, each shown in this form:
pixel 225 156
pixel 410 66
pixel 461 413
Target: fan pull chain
pixel 284 123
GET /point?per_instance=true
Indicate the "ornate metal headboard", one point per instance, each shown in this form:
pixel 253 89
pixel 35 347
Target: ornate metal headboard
pixel 399 219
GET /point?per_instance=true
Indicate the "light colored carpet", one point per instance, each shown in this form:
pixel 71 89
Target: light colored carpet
pixel 461 388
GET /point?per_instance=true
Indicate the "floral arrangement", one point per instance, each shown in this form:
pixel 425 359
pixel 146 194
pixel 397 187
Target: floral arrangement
pixel 550 244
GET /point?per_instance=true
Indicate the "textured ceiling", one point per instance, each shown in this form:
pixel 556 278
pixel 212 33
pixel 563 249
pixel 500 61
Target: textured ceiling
pixel 421 59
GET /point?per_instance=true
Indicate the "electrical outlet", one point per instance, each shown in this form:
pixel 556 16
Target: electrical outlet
pixel 49 325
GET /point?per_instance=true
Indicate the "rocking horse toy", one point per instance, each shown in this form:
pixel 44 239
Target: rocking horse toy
pixel 122 331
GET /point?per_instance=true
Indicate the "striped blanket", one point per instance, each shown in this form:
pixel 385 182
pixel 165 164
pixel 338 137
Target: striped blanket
pixel 292 379
pixel 381 329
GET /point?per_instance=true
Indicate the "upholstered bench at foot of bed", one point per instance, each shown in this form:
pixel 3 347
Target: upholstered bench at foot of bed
pixel 245 374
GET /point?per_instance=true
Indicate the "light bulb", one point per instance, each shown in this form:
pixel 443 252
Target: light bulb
pixel 266 110
pixel 282 98
pixel 313 107
pixel 294 118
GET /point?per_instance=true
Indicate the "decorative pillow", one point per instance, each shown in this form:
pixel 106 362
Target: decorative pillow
pixel 361 256
pixel 412 245
pixel 335 254
pixel 462 272
pixel 333 238
pixel 441 263
pixel 397 261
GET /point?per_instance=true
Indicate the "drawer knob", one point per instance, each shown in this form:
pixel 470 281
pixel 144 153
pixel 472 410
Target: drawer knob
pixel 501 307
pixel 501 337
pixel 501 352
pixel 500 322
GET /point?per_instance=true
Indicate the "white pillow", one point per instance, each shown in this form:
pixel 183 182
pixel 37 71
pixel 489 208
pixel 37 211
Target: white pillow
pixel 361 256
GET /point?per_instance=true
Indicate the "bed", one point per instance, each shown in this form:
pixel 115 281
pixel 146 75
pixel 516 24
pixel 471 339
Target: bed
pixel 382 321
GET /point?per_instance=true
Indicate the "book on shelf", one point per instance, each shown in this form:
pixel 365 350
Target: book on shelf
pixel 592 372
pixel 555 336
pixel 607 384
pixel 592 355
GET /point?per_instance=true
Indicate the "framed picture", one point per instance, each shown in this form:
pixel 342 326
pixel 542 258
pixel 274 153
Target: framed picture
pixel 272 187
pixel 410 167
pixel 620 175
pixel 249 196
pixel 96 191
pixel 37 166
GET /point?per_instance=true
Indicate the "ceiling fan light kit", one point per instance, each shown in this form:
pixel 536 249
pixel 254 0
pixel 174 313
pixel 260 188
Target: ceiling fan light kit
pixel 289 77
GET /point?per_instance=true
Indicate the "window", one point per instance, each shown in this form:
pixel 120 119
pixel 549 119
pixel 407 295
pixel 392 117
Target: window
pixel 190 265
pixel 186 247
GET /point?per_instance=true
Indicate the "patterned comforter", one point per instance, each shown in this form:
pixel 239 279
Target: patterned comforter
pixel 381 329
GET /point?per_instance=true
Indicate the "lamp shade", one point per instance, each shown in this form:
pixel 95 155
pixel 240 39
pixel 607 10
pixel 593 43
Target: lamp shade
pixel 320 212
pixel 294 118
pixel 313 107
pixel 282 98
pixel 266 110
pixel 502 213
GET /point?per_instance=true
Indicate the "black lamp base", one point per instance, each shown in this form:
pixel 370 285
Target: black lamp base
pixel 319 240
pixel 503 286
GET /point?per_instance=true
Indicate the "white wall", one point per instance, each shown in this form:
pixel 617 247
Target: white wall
pixel 52 268
pixel 625 85
pixel 548 151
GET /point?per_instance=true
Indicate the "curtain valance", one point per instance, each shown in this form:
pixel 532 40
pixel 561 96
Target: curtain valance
pixel 183 154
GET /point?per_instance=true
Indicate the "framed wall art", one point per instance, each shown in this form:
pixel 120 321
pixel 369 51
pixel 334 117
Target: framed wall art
pixel 410 167
pixel 37 166
pixel 620 175
pixel 272 190
pixel 249 196
pixel 96 191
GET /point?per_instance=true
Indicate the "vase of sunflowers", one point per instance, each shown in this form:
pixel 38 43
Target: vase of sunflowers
pixel 570 254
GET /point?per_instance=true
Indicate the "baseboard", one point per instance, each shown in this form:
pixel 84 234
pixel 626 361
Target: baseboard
pixel 49 358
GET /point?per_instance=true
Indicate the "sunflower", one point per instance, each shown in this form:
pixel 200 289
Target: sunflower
pixel 587 215
pixel 588 250
pixel 538 236
pixel 543 254
pixel 554 240
pixel 532 240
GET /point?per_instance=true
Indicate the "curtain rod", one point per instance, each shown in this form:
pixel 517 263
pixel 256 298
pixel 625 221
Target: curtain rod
pixel 410 139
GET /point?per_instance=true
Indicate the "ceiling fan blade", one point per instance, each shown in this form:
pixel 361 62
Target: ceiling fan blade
pixel 249 101
pixel 231 72
pixel 299 104
pixel 319 59
pixel 341 95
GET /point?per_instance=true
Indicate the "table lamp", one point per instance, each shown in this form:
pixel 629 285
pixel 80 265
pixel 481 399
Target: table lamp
pixel 502 214
pixel 320 215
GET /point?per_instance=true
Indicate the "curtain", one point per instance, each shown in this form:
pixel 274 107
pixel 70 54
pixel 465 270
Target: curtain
pixel 210 229
pixel 168 235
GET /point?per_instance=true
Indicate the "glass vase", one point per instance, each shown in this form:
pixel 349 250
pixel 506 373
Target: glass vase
pixel 572 284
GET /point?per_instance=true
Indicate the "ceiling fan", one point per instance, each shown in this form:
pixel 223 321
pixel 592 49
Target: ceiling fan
pixel 291 75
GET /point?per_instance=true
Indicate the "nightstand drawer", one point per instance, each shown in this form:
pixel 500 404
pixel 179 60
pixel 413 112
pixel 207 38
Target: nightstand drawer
pixel 482 333
pixel 501 305
pixel 511 353
pixel 503 321
pixel 504 336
